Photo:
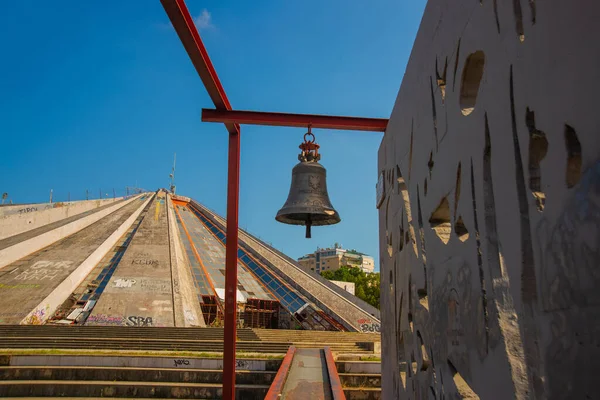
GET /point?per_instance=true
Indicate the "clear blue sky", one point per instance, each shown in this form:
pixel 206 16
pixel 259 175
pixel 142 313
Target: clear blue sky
pixel 101 94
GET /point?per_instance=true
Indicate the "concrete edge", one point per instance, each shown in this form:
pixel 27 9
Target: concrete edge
pixel 49 305
pixel 375 347
pixel 24 222
pixel 175 362
pixel 26 247
pixel 187 312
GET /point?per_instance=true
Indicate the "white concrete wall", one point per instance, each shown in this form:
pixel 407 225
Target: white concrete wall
pixel 22 218
pixel 489 228
pixel 21 249
pixel 50 304
pixel 347 286
pixel 186 306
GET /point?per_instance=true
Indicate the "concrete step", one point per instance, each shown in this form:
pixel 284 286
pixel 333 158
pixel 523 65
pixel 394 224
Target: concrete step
pixel 120 332
pixel 161 345
pixel 166 390
pixel 184 375
pixel 362 393
pixel 353 380
pixel 359 367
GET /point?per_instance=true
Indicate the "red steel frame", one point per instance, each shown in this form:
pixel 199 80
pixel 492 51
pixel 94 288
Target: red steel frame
pixel 190 38
pixel 298 120
pixel 188 34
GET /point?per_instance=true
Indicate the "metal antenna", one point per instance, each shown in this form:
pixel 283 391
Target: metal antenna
pixel 172 176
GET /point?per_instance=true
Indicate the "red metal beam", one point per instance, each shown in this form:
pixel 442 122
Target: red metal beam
pixel 295 120
pixel 231 264
pixel 188 34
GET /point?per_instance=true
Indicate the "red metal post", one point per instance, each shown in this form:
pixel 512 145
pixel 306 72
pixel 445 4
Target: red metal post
pixel 190 38
pixel 231 249
pixel 229 116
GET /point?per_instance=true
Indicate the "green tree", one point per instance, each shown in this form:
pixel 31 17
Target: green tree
pixel 366 286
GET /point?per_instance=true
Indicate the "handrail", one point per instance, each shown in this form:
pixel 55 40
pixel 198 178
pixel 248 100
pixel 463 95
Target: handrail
pixel 276 388
pixel 337 390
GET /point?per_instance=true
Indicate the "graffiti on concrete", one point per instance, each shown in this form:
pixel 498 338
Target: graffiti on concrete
pixel 102 319
pixel 368 326
pixel 19 286
pixel 139 321
pixel 155 285
pixel 38 316
pixel 241 364
pixel 124 283
pixel 44 270
pixel 26 210
pixel 145 262
pixel 181 362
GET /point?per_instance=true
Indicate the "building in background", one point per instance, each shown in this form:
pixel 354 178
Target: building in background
pixel 330 259
pixel 347 286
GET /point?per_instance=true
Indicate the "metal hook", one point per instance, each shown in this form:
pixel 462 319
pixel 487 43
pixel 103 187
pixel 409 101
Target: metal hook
pixel 311 134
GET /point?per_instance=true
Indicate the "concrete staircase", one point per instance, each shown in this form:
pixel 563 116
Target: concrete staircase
pixel 339 342
pixel 177 339
pixel 179 381
pixel 361 380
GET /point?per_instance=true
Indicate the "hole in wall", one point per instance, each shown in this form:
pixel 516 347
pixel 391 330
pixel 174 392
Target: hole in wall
pixel 518 19
pixel 387 212
pixel 430 163
pixel 421 230
pixel 439 221
pixel 573 156
pixel 424 356
pixel 390 248
pixel 441 78
pixel 528 275
pixel 461 230
pixel 463 388
pixel 479 258
pixel 423 299
pixel 400 180
pixel 403 379
pixel 471 79
pixel 538 147
pixel 433 113
pixel 410 153
pixel 425 187
pixel 401 236
pixel 455 65
pixel 403 190
pixel 413 364
pixel 457 187
pixel 423 292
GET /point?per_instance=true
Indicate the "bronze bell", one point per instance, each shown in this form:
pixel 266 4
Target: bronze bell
pixel 308 202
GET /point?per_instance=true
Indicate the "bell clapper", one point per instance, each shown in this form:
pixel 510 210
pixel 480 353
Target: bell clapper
pixel 308 225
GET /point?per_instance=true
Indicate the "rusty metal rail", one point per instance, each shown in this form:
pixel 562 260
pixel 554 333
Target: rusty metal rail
pixel 337 390
pixel 276 388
